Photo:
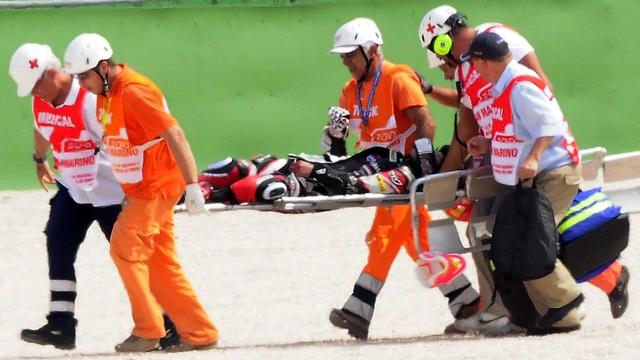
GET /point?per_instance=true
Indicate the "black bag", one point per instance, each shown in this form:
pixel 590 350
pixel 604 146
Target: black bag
pixel 596 249
pixel 514 297
pixel 525 238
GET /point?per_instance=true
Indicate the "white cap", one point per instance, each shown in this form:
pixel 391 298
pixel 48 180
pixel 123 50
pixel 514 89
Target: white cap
pixel 28 64
pixel 357 32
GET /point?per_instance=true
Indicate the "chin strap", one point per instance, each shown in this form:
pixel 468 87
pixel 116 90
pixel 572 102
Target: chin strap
pixel 106 87
pixel 455 131
pixel 368 60
pixel 453 59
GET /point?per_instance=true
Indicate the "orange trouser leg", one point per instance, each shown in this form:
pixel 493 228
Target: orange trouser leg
pixel 142 247
pixel 391 229
pixel 132 245
pixel 607 279
pixel 383 246
pixel 174 292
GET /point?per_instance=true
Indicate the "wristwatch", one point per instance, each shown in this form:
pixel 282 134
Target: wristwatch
pixel 39 160
pixel 429 89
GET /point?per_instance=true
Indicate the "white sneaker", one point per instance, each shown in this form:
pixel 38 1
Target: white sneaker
pixel 483 323
pixel 582 311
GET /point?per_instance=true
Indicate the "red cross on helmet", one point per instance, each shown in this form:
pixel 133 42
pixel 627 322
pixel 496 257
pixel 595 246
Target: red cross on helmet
pixel 434 23
pixel 27 65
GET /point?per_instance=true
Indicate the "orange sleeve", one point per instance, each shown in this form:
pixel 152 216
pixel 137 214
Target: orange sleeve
pixel 145 110
pixel 407 91
pixel 342 101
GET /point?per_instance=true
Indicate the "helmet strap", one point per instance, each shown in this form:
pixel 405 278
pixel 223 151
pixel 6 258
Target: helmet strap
pixel 453 58
pixel 368 67
pixel 106 87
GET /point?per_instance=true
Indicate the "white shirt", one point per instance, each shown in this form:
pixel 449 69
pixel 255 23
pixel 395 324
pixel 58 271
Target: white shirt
pixel 535 116
pixel 108 191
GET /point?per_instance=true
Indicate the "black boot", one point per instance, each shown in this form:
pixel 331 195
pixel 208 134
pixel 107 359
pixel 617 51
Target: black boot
pixel 619 297
pixel 59 331
pixel 357 326
pixel 356 314
pixel 172 338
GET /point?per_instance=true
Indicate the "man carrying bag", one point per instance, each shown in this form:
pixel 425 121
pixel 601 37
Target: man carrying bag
pixel 524 245
pixel 524 249
pixel 530 139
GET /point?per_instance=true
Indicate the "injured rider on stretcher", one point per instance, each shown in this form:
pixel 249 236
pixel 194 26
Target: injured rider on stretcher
pixel 264 179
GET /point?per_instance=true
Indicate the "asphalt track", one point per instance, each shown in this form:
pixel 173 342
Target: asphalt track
pixel 269 281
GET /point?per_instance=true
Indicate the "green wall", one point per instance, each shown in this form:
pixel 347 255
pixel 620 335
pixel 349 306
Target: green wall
pixel 246 80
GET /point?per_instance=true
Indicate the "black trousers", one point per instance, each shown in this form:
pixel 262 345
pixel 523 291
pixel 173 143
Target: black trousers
pixel 66 229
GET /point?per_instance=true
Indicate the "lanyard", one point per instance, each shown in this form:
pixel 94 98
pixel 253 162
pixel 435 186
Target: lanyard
pixel 104 117
pixel 365 114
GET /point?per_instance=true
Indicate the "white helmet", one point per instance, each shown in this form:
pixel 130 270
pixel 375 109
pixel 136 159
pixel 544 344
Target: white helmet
pixel 28 64
pixel 435 23
pixel 357 32
pixel 433 60
pixel 85 52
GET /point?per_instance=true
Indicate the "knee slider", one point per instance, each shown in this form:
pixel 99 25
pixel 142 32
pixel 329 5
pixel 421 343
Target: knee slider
pixel 264 188
pixel 272 187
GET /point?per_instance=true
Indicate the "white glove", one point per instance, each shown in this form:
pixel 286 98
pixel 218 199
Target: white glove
pixel 194 200
pixel 332 146
pixel 338 122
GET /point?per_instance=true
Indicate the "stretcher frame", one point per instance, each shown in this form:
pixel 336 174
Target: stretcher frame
pixel 480 185
pixel 440 191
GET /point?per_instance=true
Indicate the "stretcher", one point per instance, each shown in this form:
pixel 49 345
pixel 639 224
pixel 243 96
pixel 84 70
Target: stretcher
pixel 313 203
pixel 440 191
pixel 442 261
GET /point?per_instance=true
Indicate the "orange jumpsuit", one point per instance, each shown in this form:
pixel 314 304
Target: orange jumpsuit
pixel 143 241
pixel 608 278
pixel 385 100
pixel 390 231
pixel 397 90
pixel 387 126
